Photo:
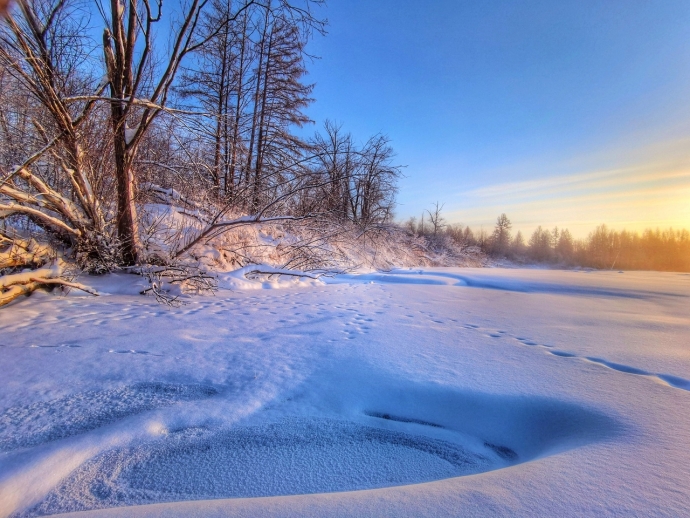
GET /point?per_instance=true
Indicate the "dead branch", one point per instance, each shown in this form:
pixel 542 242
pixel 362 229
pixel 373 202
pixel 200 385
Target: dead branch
pixel 63 282
pixel 24 253
pixel 15 285
pixel 165 280
pixel 50 220
pixel 14 292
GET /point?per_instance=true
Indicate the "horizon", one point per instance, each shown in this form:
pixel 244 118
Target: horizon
pixel 572 114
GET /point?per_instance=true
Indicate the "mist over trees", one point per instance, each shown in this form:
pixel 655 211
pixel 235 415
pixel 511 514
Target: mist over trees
pixel 603 248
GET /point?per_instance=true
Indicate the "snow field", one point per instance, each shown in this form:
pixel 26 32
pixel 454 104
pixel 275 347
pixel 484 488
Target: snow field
pixel 559 393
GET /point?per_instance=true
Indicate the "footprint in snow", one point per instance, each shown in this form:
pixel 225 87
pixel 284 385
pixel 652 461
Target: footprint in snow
pixel 666 379
pixel 132 351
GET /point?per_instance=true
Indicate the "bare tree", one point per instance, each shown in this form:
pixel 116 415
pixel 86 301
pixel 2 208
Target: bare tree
pixel 139 94
pixel 360 183
pixel 43 50
pixel 436 219
pixel 335 161
pixel 376 186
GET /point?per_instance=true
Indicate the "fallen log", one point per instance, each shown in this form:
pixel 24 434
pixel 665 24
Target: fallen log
pixel 22 252
pixel 15 285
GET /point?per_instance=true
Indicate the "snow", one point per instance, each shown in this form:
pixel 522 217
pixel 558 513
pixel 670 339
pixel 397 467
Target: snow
pixel 25 277
pixel 130 133
pixel 265 277
pixel 414 392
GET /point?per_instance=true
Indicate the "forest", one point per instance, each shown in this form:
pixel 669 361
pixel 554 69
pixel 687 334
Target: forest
pixel 110 107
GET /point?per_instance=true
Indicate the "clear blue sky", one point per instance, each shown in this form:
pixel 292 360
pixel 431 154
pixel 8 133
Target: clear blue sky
pixel 558 112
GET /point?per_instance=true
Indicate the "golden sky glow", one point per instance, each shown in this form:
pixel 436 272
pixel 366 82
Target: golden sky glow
pixel 654 192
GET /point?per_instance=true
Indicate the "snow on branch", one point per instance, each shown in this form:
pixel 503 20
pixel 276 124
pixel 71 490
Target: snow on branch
pixel 219 226
pixel 11 208
pixel 13 286
pixel 168 195
pixel 24 253
pixel 69 284
pixel 270 270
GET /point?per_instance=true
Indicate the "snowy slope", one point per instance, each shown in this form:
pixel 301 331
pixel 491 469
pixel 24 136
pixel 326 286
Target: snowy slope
pixel 433 392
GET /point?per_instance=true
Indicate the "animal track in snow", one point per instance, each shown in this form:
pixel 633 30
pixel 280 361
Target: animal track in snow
pixel 132 351
pixel 562 354
pixel 667 379
pixel 53 346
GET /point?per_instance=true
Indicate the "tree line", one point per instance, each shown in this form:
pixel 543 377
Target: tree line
pixel 603 248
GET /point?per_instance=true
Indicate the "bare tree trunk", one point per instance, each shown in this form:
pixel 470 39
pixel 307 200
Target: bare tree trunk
pixel 262 120
pixel 257 89
pixel 118 49
pixel 127 228
pixel 238 112
pixel 221 111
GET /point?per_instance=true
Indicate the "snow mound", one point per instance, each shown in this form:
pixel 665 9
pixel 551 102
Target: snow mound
pixel 377 435
pixel 294 456
pixel 265 277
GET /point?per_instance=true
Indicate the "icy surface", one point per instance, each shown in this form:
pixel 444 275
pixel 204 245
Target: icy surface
pixel 560 393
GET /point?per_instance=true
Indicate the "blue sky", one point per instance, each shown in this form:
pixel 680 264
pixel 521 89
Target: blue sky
pixel 568 113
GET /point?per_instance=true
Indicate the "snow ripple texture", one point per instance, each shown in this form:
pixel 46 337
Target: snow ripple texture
pixel 294 456
pixel 25 426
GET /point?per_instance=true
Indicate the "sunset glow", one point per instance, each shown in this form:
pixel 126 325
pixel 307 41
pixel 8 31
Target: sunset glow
pixel 638 197
pixel 557 113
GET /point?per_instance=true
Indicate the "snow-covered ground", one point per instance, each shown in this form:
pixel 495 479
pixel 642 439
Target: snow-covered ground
pixel 435 392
